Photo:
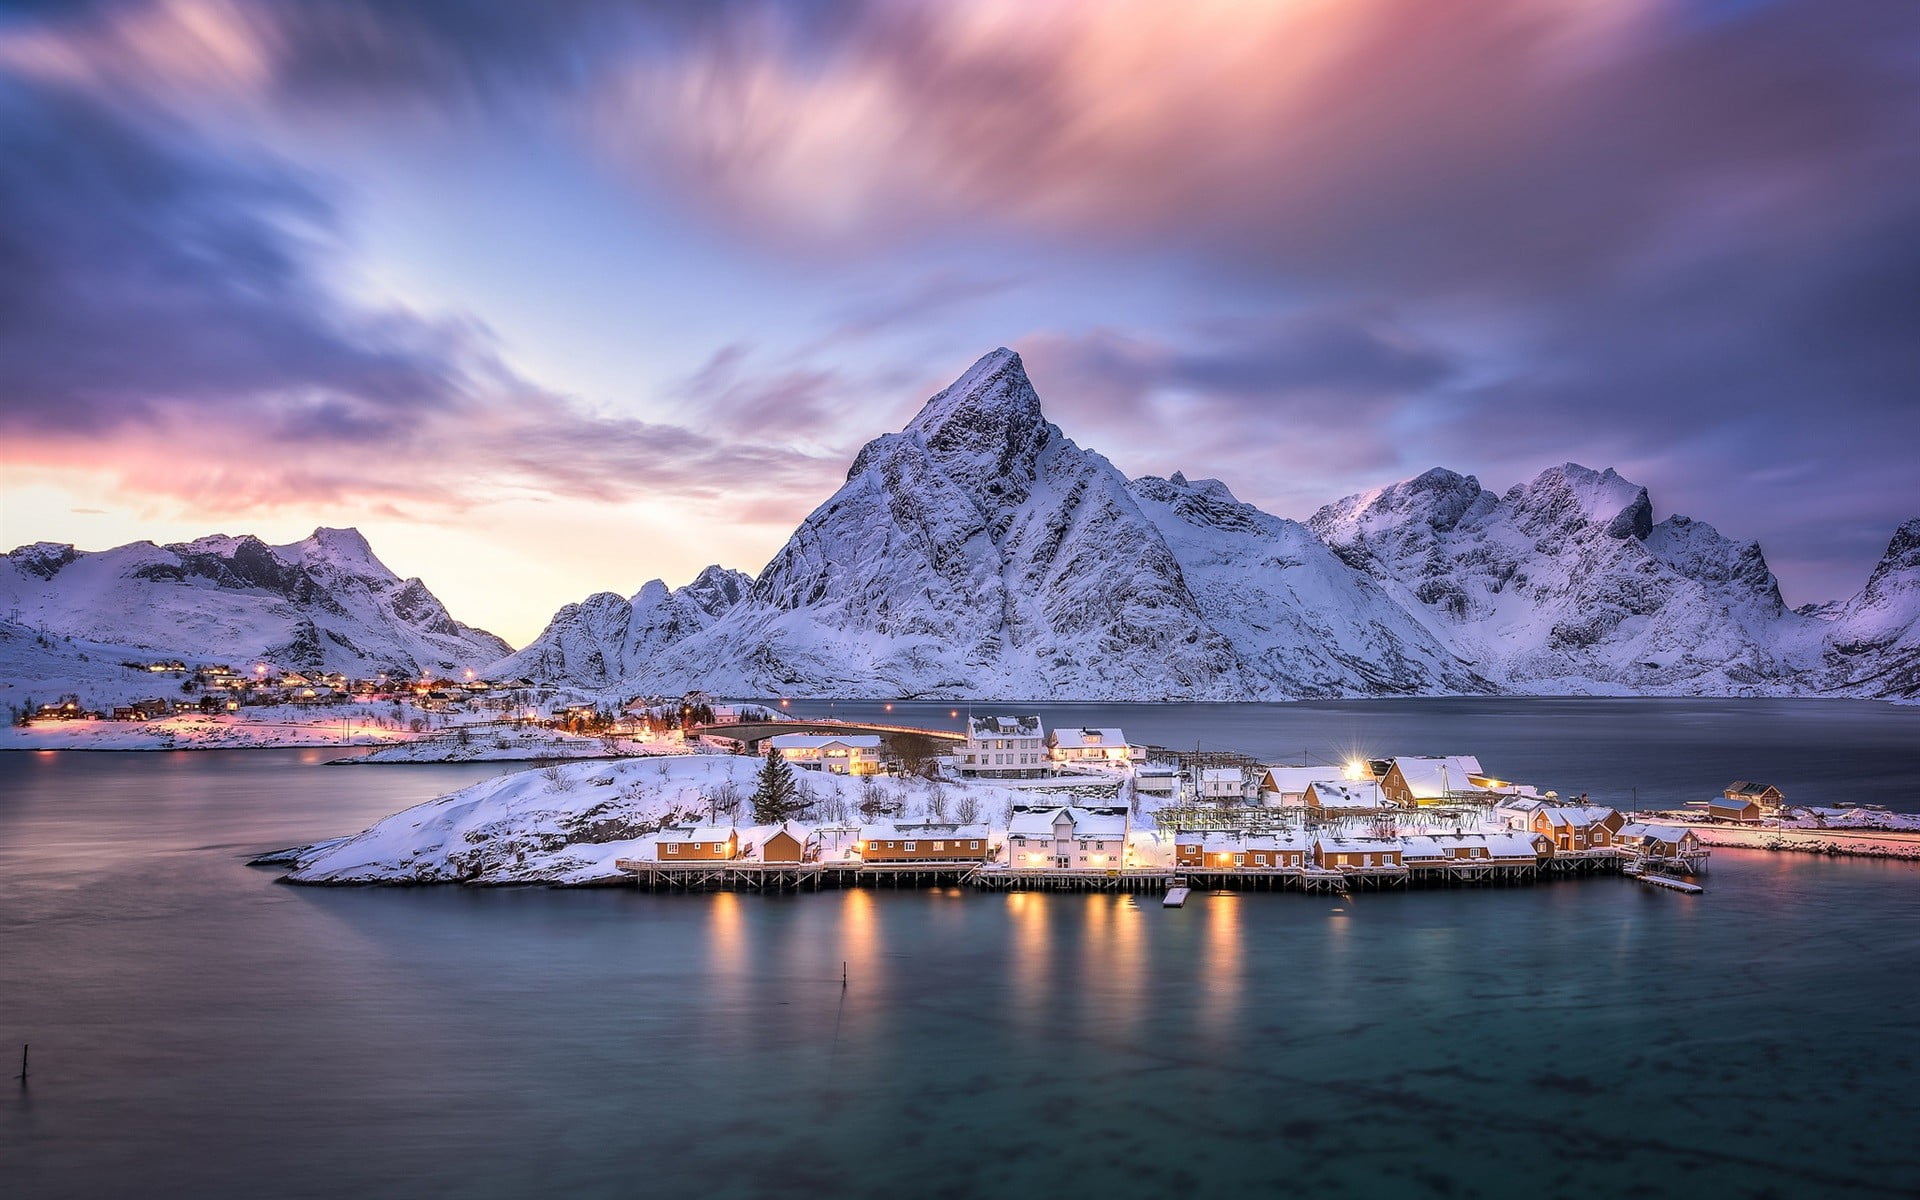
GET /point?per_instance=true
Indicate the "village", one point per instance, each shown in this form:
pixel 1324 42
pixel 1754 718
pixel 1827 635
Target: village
pixel 334 708
pixel 1095 812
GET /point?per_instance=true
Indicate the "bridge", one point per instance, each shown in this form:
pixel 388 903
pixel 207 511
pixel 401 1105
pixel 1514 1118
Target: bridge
pixel 755 732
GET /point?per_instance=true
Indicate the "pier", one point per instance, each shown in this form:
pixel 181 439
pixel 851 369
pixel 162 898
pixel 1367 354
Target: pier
pixel 737 876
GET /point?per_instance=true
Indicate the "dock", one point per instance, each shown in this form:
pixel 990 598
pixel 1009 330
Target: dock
pixel 1684 886
pixel 745 876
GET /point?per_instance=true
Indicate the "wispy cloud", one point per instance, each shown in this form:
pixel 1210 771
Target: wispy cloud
pixel 168 320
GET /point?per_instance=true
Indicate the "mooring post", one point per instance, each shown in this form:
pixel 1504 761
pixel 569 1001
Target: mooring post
pixel 23 1062
pixel 843 980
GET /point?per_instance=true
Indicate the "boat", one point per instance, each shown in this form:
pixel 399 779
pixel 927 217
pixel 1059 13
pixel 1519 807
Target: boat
pixel 1177 893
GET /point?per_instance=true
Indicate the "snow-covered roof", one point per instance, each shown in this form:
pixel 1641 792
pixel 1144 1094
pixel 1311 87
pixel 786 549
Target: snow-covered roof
pixel 1430 778
pixel 895 830
pixel 1421 847
pixel 1290 840
pixel 986 727
pixel 1514 845
pixel 1282 778
pixel 1576 816
pixel 1346 845
pixel 1746 787
pixel 1221 840
pixel 697 833
pixel 1040 822
pixel 1221 775
pixel 1659 833
pixel 815 741
pixel 1524 803
pixel 1087 738
pixel 1345 793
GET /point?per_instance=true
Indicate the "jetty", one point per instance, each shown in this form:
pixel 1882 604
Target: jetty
pixel 1661 880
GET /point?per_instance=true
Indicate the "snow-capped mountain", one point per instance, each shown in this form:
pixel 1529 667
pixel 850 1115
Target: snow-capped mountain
pixel 606 638
pixel 1566 584
pixel 978 552
pixel 322 604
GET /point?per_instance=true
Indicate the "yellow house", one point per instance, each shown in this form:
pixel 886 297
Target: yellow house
pixel 699 843
pixel 1358 854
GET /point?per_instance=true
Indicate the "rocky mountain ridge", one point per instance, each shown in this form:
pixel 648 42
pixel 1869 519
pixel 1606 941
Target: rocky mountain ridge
pixel 980 553
pixel 324 603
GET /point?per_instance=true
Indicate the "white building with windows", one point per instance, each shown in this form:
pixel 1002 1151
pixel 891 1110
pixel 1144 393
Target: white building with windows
pixel 857 754
pixel 1097 746
pixel 1067 838
pixel 1003 748
pixel 1223 783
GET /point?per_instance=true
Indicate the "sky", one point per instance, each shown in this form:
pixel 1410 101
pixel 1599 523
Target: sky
pixel 556 298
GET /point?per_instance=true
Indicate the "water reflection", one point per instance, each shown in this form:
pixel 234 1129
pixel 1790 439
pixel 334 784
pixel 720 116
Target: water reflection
pixel 1223 972
pixel 1032 949
pixel 1113 966
pixel 860 939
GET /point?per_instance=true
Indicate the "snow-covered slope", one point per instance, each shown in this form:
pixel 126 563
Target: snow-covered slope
pixel 1872 644
pixel 1566 584
pixel 605 639
pixel 322 604
pixel 569 824
pixel 1301 618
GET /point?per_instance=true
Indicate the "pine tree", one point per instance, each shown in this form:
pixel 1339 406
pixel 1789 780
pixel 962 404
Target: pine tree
pixel 775 796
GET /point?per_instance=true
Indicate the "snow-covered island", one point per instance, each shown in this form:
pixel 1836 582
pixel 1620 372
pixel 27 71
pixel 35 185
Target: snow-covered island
pixel 568 823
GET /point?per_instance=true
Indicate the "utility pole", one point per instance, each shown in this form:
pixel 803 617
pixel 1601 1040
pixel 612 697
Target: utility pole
pixel 23 1064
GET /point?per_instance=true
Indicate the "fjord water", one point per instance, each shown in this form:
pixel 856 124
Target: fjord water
pixel 199 1029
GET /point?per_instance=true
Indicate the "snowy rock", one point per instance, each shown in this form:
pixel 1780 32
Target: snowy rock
pixel 1873 642
pixel 605 640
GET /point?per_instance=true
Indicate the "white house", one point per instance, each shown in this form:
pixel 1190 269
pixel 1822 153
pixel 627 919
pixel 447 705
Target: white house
pixel 1069 838
pixel 837 754
pixel 1223 783
pixel 1003 748
pixel 1092 746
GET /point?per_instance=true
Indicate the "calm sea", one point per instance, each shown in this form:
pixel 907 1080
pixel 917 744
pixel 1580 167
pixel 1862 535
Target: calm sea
pixel 200 1030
